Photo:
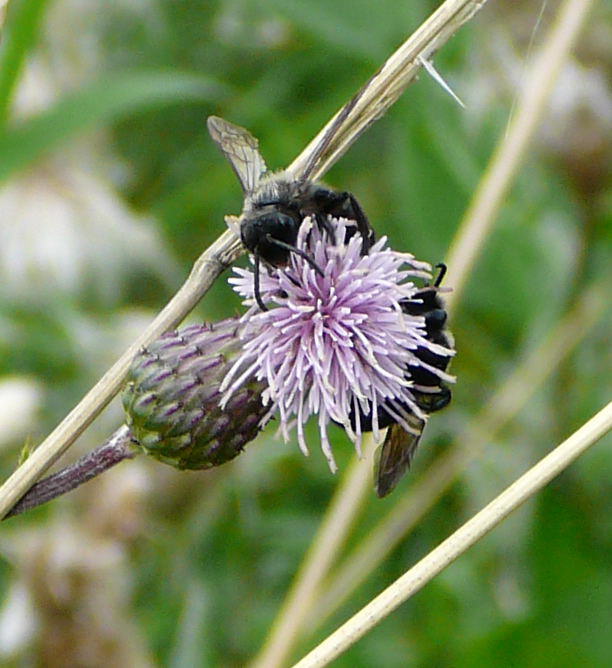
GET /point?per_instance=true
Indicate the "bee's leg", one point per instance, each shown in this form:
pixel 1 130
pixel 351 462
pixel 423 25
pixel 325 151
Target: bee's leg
pixel 346 205
pixel 256 286
pixel 343 205
pixel 442 267
pixel 298 251
pixel 427 302
pixel 363 224
pixel 324 224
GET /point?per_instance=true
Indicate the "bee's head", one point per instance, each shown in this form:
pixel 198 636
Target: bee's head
pixel 255 230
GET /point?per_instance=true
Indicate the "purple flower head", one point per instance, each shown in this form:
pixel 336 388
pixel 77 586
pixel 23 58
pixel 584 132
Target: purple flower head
pixel 337 346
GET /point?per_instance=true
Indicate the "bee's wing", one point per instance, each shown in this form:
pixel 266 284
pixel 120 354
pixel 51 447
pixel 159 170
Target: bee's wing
pixel 395 455
pixel 241 149
pixel 330 143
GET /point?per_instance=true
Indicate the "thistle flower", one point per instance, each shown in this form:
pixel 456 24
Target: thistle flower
pixel 172 398
pixel 338 346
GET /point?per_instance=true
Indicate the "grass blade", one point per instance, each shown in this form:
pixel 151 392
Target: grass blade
pixel 19 34
pixel 102 102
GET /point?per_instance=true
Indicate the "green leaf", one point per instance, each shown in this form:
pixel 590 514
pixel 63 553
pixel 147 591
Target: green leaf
pixel 102 102
pixel 19 35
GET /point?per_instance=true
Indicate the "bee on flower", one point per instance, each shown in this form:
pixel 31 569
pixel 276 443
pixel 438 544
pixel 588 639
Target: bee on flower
pixel 348 337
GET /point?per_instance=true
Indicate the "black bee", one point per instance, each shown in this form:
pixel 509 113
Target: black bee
pixel 275 203
pixel 431 393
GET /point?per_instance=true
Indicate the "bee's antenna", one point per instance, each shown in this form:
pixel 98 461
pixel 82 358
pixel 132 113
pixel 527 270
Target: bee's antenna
pixel 258 298
pixel 442 267
pixel 297 251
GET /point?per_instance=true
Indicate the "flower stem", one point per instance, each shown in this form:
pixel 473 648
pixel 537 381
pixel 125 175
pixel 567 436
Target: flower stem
pixel 114 450
pixel 455 545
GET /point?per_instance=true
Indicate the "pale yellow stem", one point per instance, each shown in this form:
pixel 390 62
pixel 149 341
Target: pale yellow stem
pixel 334 528
pixel 386 86
pixel 372 102
pixel 456 544
pixel 538 86
pixel 518 389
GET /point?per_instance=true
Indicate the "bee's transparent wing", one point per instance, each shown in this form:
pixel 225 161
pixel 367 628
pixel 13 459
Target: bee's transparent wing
pixel 241 149
pixel 395 455
pixel 330 143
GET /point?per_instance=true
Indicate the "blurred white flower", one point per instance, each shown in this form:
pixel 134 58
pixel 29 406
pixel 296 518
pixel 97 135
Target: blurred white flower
pixel 581 96
pixel 238 23
pixel 75 586
pixel 37 90
pixel 17 625
pixel 20 400
pixel 62 224
pixel 62 227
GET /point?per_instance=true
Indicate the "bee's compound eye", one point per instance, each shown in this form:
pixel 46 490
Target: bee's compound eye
pixel 286 222
pixel 249 234
pixel 323 196
pixel 435 319
pixel 278 225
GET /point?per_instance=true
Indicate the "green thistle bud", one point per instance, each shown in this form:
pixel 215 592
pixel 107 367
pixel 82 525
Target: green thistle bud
pixel 172 397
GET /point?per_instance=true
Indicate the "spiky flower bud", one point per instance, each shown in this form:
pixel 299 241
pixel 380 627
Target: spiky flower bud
pixel 172 397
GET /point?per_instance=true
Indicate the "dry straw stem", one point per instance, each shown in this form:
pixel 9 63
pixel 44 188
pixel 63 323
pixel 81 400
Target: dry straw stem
pixel 456 544
pixel 386 86
pixel 332 533
pixel 371 103
pixel 529 375
pixel 535 95
pixel 475 227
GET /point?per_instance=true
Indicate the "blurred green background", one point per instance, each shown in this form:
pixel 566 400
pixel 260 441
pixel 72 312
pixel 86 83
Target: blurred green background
pixel 110 189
